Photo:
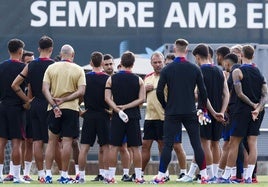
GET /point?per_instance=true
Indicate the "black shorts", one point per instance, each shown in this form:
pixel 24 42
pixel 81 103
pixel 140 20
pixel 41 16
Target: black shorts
pixel 93 127
pixel 212 131
pixel 12 122
pixel 65 126
pixel 131 129
pixel 243 125
pixel 28 125
pixel 153 130
pixel 39 120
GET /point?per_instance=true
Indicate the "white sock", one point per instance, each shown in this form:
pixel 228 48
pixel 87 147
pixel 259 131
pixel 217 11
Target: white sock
pixel 41 173
pixel 167 172
pixel 183 171
pixel 101 172
pixel 76 167
pixel 16 171
pixel 245 171
pixel 125 171
pixel 82 174
pixel 210 171
pixel 48 172
pixel 250 171
pixel 27 167
pixel 112 172
pixel 142 173
pixel 138 173
pixel 106 174
pixel 60 172
pixel 160 175
pixel 227 172
pixel 233 172
pixel 11 168
pixel 215 169
pixel 1 170
pixel 64 174
pixel 192 169
pixel 219 173
pixel 203 173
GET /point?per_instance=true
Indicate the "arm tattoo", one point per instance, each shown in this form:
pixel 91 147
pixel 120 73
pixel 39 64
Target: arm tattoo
pixel 241 95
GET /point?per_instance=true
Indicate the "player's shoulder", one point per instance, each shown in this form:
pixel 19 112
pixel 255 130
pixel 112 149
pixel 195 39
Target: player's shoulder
pixel 149 75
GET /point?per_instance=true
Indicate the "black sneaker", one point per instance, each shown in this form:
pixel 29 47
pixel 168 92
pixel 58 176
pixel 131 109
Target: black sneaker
pixel 98 178
pixel 181 175
pixel 126 178
pixel 166 178
pixel 133 177
pixel 197 177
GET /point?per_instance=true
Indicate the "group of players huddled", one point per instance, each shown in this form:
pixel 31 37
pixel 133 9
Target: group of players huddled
pixel 41 99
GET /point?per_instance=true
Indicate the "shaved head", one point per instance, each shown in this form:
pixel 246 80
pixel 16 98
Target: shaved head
pixel 67 51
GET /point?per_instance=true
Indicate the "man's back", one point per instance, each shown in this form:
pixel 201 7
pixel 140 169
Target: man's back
pixel 181 78
pixel 36 70
pixel 64 79
pixel 8 72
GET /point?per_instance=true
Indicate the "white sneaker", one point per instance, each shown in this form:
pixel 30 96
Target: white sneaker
pixel 1 179
pixel 185 178
pixel 20 181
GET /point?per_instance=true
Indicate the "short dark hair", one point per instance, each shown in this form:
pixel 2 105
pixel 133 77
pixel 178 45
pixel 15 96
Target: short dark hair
pixel 14 45
pixel 232 58
pixel 128 59
pixel 248 51
pixel 201 50
pixel 26 53
pixel 223 51
pixel 96 58
pixel 170 56
pixel 181 44
pixel 45 42
pixel 210 51
pixel 108 57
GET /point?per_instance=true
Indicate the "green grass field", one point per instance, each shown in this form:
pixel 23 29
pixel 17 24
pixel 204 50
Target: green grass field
pixel 263 182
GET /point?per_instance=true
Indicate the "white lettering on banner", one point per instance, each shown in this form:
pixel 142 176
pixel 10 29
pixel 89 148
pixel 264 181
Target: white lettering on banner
pixel 55 13
pixel 126 11
pixel 39 13
pixel 140 14
pixel 209 14
pixel 90 13
pixel 175 15
pixel 226 15
pixel 253 21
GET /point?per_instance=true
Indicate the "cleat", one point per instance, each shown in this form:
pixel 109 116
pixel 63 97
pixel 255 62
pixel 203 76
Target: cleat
pixel 110 181
pixel 141 181
pixel 133 177
pixel 223 181
pixel 213 180
pixel 27 178
pixel 255 180
pixel 185 178
pixel 1 179
pixel 42 180
pixel 64 180
pixel 197 177
pixel 9 178
pixel 77 177
pixel 205 181
pixel 181 175
pixel 48 180
pixel 126 178
pixel 236 180
pixel 98 178
pixel 248 180
pixel 166 178
pixel 158 181
pixel 81 181
pixel 20 181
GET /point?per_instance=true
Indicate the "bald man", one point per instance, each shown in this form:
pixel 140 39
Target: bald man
pixel 63 84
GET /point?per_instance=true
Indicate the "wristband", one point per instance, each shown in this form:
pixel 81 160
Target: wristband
pixel 54 106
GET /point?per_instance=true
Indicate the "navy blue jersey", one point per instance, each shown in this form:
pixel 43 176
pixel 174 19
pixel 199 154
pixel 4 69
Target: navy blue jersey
pixel 94 95
pixel 214 82
pixel 233 96
pixel 9 70
pixel 251 85
pixel 125 89
pixel 36 71
pixel 181 78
